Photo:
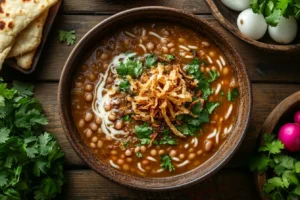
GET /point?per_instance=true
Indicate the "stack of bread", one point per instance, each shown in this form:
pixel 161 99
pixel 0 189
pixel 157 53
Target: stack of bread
pixel 21 28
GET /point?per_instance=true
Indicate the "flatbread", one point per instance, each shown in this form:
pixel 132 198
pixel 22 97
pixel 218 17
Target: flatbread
pixel 30 38
pixel 16 15
pixel 24 61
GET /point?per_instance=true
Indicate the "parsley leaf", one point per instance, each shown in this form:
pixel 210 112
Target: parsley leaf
pixel 143 133
pixel 139 154
pixel 211 106
pixel 166 162
pixel 232 95
pixel 124 86
pixel 67 36
pixel 4 135
pixel 167 139
pixel 213 75
pixel 151 60
pixel 131 67
pixel 126 118
pixel 170 57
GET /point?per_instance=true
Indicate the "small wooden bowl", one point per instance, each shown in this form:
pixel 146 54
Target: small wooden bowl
pixel 283 113
pixel 171 15
pixel 228 18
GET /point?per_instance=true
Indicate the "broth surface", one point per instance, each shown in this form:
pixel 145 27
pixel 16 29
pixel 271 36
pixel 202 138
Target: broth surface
pixel 174 47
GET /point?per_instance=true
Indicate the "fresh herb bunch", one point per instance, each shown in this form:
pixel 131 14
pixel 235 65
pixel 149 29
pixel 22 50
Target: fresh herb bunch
pixel 274 9
pixel 284 183
pixel 31 162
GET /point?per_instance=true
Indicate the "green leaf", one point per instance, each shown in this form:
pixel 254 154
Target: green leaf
pixel 126 118
pixel 150 60
pixel 170 57
pixel 122 69
pixel 274 18
pixel 288 178
pixel 124 86
pixel 268 138
pixel 3 178
pixel 272 183
pixel 197 108
pixel 296 191
pixel 274 147
pixel 145 141
pixel 44 142
pixel 211 106
pixel 23 88
pixel 4 135
pixel 213 75
pixel 67 36
pixel 39 167
pixel 143 131
pixel 297 167
pixel 139 154
pixel 232 95
pixel 166 162
pixel 259 163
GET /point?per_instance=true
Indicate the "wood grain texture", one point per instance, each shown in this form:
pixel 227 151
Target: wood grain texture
pixel 225 185
pixel 266 97
pixel 262 67
pixel 113 6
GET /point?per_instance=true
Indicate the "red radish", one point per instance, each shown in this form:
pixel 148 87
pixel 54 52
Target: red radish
pixel 297 117
pixel 289 134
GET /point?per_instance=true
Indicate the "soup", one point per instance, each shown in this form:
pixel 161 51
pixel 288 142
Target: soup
pixel 155 99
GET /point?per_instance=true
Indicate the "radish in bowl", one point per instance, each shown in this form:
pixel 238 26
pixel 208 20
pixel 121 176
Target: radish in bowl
pixel 289 135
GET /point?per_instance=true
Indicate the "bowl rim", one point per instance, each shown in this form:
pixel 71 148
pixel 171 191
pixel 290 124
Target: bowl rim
pixel 268 128
pixel 142 185
pixel 258 44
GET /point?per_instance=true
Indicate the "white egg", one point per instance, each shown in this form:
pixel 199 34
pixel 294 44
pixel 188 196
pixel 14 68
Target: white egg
pixel 237 5
pixel 286 30
pixel 251 24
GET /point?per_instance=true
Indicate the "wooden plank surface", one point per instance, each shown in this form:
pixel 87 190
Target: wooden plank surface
pixel 113 6
pixel 262 66
pixel 225 185
pixel 266 97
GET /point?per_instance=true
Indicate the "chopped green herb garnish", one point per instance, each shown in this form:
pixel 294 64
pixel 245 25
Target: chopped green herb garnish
pixel 139 154
pixel 143 133
pixel 67 36
pixel 166 163
pixel 31 161
pixel 285 170
pixel 232 95
pixel 124 86
pixel 170 57
pixel 126 118
pixel 145 141
pixel 222 93
pixel 211 106
pixel 132 67
pixel 167 139
pixel 213 75
pixel 151 60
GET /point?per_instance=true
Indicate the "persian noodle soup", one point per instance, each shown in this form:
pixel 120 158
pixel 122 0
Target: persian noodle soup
pixel 155 99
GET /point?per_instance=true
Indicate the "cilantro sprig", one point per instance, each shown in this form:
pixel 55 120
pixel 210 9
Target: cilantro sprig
pixel 284 184
pixel 31 162
pixel 131 67
pixel 67 36
pixel 143 133
pixel 166 162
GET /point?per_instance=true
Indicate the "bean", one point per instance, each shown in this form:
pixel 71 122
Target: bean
pixel 191 150
pixel 173 153
pixel 181 40
pixel 79 84
pixel 165 49
pixel 105 66
pixel 99 131
pixel 88 117
pixel 164 40
pixel 225 71
pixel 126 167
pixel 205 44
pixel 94 126
pixel 88 87
pixel 88 97
pixel 170 45
pixel 161 152
pixel 128 153
pixel 88 133
pixel 81 123
pixel 129 159
pixel 212 53
pixel 153 152
pixel 150 46
pixel 192 156
pixel 214 68
pixel 109 80
pixel 145 162
pixel 98 120
pixel 137 149
pixel 107 106
pixel 95 139
pixel 172 50
pixel 119 125
pixel 199 152
pixel 143 149
pixel 108 138
pixel 113 152
pixel 120 162
pixel 181 156
pixel 99 143
pixel 166 33
pixel 104 56
pixel 208 146
pixel 93 145
pixel 92 77
pixel 112 117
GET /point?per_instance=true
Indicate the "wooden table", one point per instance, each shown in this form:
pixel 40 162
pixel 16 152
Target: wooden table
pixel 273 76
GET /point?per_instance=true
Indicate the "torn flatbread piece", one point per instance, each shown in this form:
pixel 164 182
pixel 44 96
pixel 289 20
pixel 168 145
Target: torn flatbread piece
pixel 25 61
pixel 30 38
pixel 15 16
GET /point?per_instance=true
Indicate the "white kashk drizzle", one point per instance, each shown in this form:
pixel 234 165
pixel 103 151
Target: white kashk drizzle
pixel 100 99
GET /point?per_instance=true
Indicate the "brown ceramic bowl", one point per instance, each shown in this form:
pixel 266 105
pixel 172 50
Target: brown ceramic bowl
pixel 155 14
pixel 228 18
pixel 283 113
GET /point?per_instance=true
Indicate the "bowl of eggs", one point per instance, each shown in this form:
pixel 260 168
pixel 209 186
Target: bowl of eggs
pixel 268 26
